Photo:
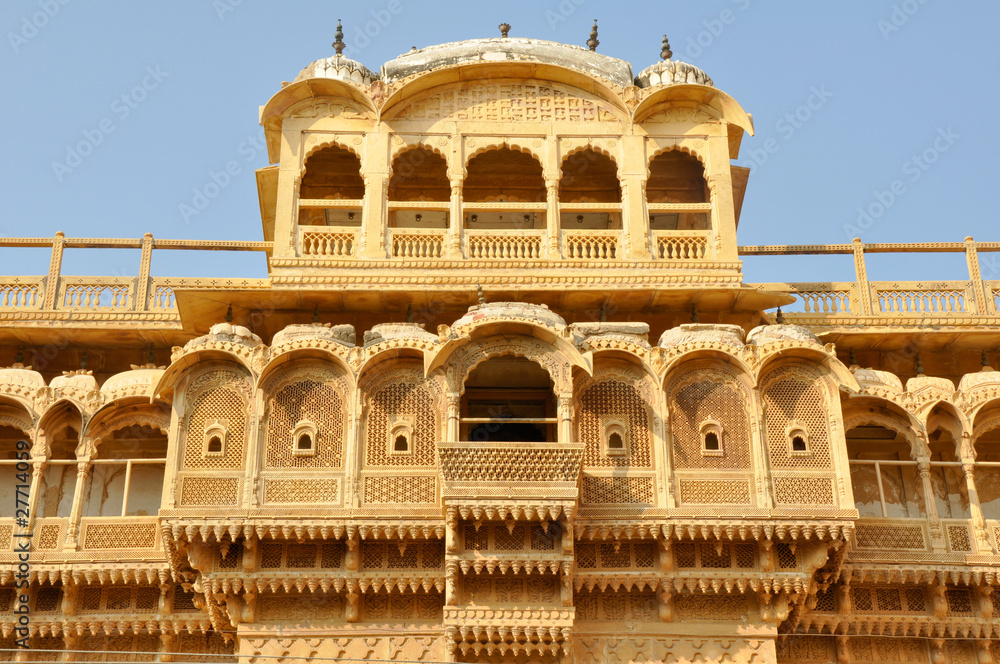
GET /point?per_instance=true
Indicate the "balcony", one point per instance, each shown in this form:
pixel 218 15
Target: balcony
pixel 504 244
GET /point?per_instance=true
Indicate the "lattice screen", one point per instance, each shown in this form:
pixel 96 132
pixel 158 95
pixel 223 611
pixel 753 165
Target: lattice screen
pixel 713 395
pixel 415 555
pixel 614 400
pixel 597 490
pixel 135 599
pixel 216 395
pixel 617 606
pixel 496 537
pixel 707 555
pixel 406 606
pixel 710 607
pixel 734 491
pixel 308 555
pixel 789 398
pixel 401 396
pixel 318 398
pixel 381 490
pixel 626 555
pixel 488 590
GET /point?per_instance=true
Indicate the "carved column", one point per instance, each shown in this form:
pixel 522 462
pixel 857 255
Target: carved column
pixel 55 267
pixel 456 221
pixel 635 215
pixel 38 466
pixel 374 218
pixel 451 583
pixel 978 524
pixel 552 219
pixel 976 278
pixel 762 458
pixel 452 431
pixel 565 416
pixel 930 505
pixel 73 527
pixel 861 277
pixel 142 284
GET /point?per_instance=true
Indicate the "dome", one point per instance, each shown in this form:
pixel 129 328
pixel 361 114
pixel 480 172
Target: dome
pixel 671 72
pixel 338 67
pixel 508 49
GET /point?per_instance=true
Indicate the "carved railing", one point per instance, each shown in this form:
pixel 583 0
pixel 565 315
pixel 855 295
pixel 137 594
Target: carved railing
pixel 951 301
pixel 519 462
pixel 22 292
pixel 93 293
pixel 591 245
pixel 681 245
pixel 940 298
pixel 331 242
pixel 504 244
pixel 417 243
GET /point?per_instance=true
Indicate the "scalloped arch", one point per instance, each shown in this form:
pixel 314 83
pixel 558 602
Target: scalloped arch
pixel 696 353
pixel 404 147
pixel 728 108
pixel 593 148
pixel 102 424
pixel 296 357
pixel 465 360
pixel 686 149
pixel 509 143
pixel 902 423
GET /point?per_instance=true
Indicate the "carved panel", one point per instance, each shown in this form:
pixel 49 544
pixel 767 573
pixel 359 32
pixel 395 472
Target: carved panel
pixel 391 489
pixel 209 490
pixel 705 396
pixel 119 536
pixel 803 490
pixel 216 396
pixel 301 491
pixel 618 606
pixel 614 400
pixel 401 397
pixel 617 490
pixel 503 101
pixel 317 396
pixel 791 401
pixel 720 492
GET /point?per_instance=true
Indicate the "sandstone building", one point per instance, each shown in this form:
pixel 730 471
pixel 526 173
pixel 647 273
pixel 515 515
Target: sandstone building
pixel 503 397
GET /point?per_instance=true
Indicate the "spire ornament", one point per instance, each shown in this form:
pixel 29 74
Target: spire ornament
pixel 339 44
pixel 665 51
pixel 592 43
pixel 504 29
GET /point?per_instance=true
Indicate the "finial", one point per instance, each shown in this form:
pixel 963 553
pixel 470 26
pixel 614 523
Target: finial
pixel 339 45
pixel 665 51
pixel 504 29
pixel 316 314
pixel 229 314
pixel 592 42
pixel 409 313
pixel 920 366
pixel 482 295
pixel 694 313
pixel 779 317
pixel 83 360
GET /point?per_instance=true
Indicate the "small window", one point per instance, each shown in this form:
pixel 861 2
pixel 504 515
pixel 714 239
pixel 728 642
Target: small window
pixel 711 441
pixel 615 438
pixel 215 445
pixel 215 438
pixel 400 437
pixel 798 440
pixel 304 439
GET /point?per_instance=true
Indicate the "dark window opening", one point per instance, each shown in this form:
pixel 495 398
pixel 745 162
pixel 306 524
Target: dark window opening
pixel 305 442
pixel 215 444
pixel 615 442
pixel 711 441
pixel 401 444
pixel 798 444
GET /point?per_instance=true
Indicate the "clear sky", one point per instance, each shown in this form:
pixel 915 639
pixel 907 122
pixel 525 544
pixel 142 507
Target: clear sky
pixel 877 106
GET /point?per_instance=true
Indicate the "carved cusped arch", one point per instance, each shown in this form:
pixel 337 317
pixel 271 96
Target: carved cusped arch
pixel 192 361
pixel 557 362
pixel 109 420
pixel 619 397
pixel 218 397
pixel 476 146
pixel 859 412
pixel 13 414
pixel 824 361
pixel 399 397
pixel 319 352
pixel 403 143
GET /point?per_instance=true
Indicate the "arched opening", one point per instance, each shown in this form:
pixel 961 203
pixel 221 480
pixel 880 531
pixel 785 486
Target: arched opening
pixel 9 438
pixel 798 444
pixel 883 474
pixel 401 444
pixel 677 177
pixel 589 177
pixel 126 475
pixel 508 399
pixel 419 174
pixel 331 174
pixel 986 441
pixel 951 490
pixel 712 441
pixel 61 428
pixel 615 441
pixel 504 176
pixel 214 445
pixel 305 442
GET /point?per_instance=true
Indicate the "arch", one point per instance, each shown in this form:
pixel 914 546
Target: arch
pixel 725 106
pixel 402 146
pixel 482 175
pixel 985 418
pixel 340 165
pixel 693 352
pixel 320 354
pixel 113 418
pixel 418 87
pixel 463 357
pixel 425 179
pixel 797 402
pixel 388 353
pixel 877 411
pixel 195 360
pixel 835 369
pixel 589 170
pixel 14 414
pixel 620 397
pixel 63 413
pixel 216 398
pixel 943 416
pixel 396 399
pixel 628 357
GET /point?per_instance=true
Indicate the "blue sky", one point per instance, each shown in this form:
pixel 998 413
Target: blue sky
pixel 877 105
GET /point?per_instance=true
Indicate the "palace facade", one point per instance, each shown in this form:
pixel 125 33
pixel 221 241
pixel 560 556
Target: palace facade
pixel 503 396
